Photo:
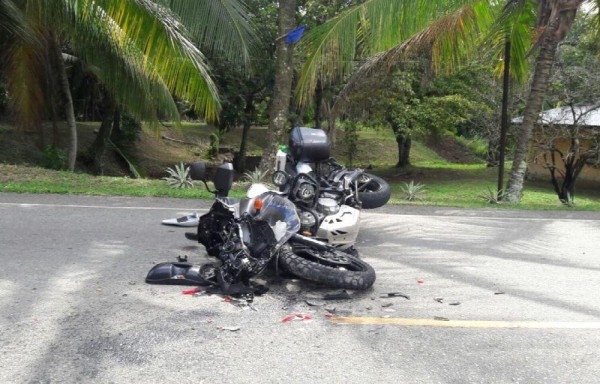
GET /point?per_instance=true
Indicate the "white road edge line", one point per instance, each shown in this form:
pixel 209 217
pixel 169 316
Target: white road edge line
pixel 25 205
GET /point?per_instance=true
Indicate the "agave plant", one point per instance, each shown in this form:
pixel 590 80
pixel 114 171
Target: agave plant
pixel 179 177
pixel 256 176
pixel 413 191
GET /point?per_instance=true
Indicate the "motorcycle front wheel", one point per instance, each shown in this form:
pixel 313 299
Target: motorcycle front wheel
pixel 332 268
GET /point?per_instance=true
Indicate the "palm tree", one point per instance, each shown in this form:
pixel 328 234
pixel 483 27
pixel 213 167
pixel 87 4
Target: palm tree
pixel 11 19
pixel 555 19
pixel 138 49
pixel 386 30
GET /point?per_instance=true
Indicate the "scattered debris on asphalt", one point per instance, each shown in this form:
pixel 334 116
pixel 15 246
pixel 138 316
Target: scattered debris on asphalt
pixel 498 293
pixel 440 318
pixel 314 303
pixel 230 329
pixel 191 291
pixel 454 303
pixel 339 312
pixel 395 294
pixel 420 281
pixel 439 299
pixel 342 295
pixel 385 305
pixel 296 317
pixel 182 259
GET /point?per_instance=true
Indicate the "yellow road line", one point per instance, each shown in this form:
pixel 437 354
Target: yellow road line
pixel 467 323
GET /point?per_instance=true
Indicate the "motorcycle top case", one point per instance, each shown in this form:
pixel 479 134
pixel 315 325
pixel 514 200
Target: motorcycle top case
pixel 309 144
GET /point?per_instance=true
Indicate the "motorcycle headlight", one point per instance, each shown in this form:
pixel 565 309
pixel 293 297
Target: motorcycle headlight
pixel 305 191
pixel 279 178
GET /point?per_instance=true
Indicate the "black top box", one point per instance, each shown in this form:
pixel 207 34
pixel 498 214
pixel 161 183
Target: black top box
pixel 309 144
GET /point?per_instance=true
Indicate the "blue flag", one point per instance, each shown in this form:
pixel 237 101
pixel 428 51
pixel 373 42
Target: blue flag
pixel 295 35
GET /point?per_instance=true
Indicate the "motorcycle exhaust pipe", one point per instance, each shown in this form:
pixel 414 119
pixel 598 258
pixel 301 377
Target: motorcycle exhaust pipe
pixel 311 242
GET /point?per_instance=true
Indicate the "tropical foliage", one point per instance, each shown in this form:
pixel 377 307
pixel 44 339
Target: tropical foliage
pixel 139 50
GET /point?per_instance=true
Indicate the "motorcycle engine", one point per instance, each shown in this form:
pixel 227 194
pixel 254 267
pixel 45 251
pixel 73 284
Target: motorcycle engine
pixel 307 221
pixel 327 206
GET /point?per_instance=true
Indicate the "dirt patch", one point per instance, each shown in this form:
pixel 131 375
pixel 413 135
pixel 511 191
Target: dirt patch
pixel 448 148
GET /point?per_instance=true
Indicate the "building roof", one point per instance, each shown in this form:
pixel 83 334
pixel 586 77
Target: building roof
pixel 586 115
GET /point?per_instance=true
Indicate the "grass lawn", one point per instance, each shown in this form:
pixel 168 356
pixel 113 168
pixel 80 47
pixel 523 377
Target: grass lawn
pixel 446 183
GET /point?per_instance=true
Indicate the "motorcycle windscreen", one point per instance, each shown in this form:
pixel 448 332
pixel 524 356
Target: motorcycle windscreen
pixel 281 215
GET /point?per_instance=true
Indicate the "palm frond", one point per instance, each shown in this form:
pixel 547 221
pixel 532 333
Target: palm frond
pixel 515 24
pixel 450 41
pixel 26 69
pixel 12 21
pixel 330 48
pixel 221 27
pixel 121 67
pixel 166 47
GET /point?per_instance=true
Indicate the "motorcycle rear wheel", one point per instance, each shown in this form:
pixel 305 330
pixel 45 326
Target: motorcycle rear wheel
pixel 333 268
pixel 375 193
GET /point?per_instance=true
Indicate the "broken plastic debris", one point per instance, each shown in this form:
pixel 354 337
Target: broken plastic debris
pixel 395 294
pixel 191 291
pixel 438 299
pixel 190 220
pixel 296 317
pixel 231 329
pixel 314 303
pixel 342 295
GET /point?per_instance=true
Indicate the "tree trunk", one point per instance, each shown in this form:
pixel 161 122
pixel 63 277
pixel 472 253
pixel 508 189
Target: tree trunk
pixel 318 102
pixel 404 143
pixel 63 79
pixel 500 148
pixel 116 127
pixel 561 19
pixel 282 90
pixel 539 84
pixel 248 114
pixel 98 147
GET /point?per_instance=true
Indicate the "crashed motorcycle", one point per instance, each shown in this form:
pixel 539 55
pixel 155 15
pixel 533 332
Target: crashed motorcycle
pixel 328 196
pixel 250 234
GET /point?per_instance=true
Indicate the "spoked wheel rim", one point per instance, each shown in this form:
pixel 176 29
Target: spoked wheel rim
pixel 367 184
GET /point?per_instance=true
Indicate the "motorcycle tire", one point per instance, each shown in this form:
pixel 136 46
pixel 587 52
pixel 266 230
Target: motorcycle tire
pixel 375 194
pixel 354 274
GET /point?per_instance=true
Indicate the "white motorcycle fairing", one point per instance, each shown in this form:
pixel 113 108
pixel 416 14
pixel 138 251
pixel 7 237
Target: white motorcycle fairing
pixel 340 229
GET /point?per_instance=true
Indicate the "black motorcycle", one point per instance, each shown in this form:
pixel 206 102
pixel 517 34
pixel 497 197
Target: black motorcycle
pixel 307 160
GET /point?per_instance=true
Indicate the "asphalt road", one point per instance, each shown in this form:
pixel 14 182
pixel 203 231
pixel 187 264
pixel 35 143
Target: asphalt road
pixel 74 306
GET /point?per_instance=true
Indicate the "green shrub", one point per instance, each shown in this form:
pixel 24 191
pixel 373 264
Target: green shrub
pixel 54 158
pixel 213 146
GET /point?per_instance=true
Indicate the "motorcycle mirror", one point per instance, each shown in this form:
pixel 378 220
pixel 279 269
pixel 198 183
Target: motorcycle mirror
pixel 224 179
pixel 279 178
pixel 198 171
